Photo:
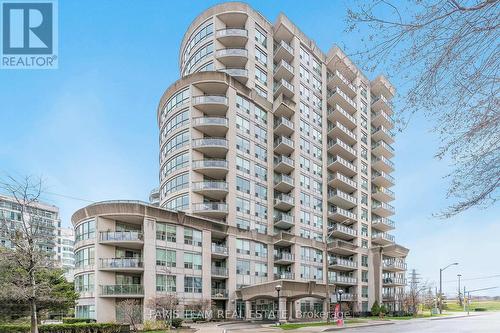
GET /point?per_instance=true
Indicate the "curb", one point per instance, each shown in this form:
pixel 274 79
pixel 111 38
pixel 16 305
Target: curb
pixel 354 327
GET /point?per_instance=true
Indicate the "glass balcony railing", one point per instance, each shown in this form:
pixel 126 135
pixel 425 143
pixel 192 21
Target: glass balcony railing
pixel 121 263
pixel 122 289
pixel 342 228
pixel 220 249
pixel 210 99
pixel 210 163
pixel 121 236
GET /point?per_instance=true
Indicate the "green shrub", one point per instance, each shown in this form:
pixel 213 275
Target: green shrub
pixel 176 322
pixel 375 309
pixel 77 320
pixel 383 309
pixel 65 328
pixel 480 309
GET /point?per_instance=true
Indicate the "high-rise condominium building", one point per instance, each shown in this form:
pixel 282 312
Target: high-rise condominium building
pixel 65 251
pixel 279 157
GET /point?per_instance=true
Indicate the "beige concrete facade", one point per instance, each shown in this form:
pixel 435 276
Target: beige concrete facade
pixel 281 147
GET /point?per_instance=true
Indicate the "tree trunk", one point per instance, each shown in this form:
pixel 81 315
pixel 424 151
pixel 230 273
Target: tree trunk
pixel 34 322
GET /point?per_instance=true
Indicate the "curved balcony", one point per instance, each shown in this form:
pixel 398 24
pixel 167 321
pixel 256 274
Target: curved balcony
pixel 216 105
pixel 232 57
pixel 211 209
pixel 211 189
pixel 211 126
pixel 213 168
pixel 342 231
pixel 211 147
pixel 122 290
pixel 233 37
pixel 342 182
pixel 121 264
pixel 130 239
pixel 240 74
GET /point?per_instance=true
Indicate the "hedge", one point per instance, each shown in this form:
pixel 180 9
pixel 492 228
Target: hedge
pixel 77 320
pixel 68 328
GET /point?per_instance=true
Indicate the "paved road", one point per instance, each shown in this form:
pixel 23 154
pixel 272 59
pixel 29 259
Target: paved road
pixel 483 323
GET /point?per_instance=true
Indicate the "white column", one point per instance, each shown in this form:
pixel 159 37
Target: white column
pixel 282 309
pixel 248 310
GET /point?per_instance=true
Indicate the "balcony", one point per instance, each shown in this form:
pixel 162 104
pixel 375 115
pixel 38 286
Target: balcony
pixel 283 126
pixel 240 74
pixel 381 103
pixel 213 168
pixel 219 251
pixel 338 79
pixel 211 147
pixel 283 145
pixel 382 179
pixel 211 209
pixel 382 133
pixel 283 50
pixel 283 87
pixel 342 199
pixel 382 238
pixel 381 148
pixel 129 239
pixel 341 215
pixel 284 276
pixel 337 114
pixel 232 57
pixel 232 37
pixel 283 70
pixel 122 290
pixel 283 164
pixel 219 272
pixel 121 264
pixel 383 224
pixel 341 280
pixel 211 126
pixel 382 209
pixel 337 130
pixel 382 164
pixel 338 164
pixel 342 247
pixel 283 107
pixel 382 194
pixel 345 298
pixel 283 183
pixel 394 281
pixel 337 96
pixel 342 182
pixel 382 119
pixel 284 239
pixel 215 105
pixel 394 265
pixel 283 220
pixel 339 147
pixel 341 231
pixel 211 189
pixel 284 202
pixel 220 293
pixel 284 258
pixel 343 264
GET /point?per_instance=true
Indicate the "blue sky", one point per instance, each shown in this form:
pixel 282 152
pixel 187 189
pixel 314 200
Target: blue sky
pixel 89 128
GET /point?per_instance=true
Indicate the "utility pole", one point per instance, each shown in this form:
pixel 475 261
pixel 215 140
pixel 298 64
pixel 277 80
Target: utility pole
pixel 464 299
pixel 327 284
pixel 459 293
pixel 441 286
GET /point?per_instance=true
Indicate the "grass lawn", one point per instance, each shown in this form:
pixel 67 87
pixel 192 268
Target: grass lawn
pixel 292 326
pixel 488 305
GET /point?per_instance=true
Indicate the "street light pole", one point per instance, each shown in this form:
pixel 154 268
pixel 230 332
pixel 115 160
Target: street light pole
pixel 459 293
pixel 327 284
pixel 441 286
pixel 278 289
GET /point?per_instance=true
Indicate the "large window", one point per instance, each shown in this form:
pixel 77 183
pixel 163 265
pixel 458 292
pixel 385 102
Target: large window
pixel 85 311
pixel 192 237
pixel 166 232
pixel 192 260
pixel 177 121
pixel 85 230
pixel 242 246
pixel 192 284
pixel 84 257
pixel 177 183
pixel 242 185
pixel 175 163
pixel 178 99
pixel 198 56
pixel 84 283
pixel 166 283
pixel 178 203
pixel 176 142
pixel 200 35
pixel 261 37
pixel 242 267
pixel 166 257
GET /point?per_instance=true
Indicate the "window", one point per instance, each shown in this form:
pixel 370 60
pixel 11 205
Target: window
pixel 192 284
pixel 166 283
pixel 84 283
pixel 304 74
pixel 176 142
pixel 262 92
pixel 364 230
pixel 242 185
pixel 305 163
pixel 260 269
pixel 364 108
pixel 260 114
pixel 364 137
pixel 261 250
pixel 305 199
pixel 242 205
pixel 192 237
pixel 364 276
pixel 364 291
pixel 243 104
pixel 316 84
pixel 242 224
pixel 364 214
pixel 364 198
pixel 200 35
pixel 305 181
pixel 261 37
pixel 242 164
pixel 364 243
pixel 260 172
pixel 305 217
pixel 166 257
pixel 364 261
pixel 242 124
pixel 192 260
pixel 197 57
pixel 261 228
pixel 178 203
pixel 242 246
pixel 261 134
pixel 364 168
pixel 242 267
pixel 178 99
pixel 166 232
pixel 364 122
pixel 316 66
pixel 260 191
pixel 364 153
pixel 364 183
pixel 175 163
pixel 242 144
pixel 304 110
pixel 260 210
pixel 84 257
pixel 318 221
pixel 304 56
pixel 261 152
pixel 85 230
pixel 261 56
pixel 317 170
pixel 177 183
pixel 261 76
pixel 85 311
pixel 304 92
pixel 179 120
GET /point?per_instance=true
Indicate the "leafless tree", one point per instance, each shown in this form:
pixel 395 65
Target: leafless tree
pixel 164 307
pixel 28 236
pixel 131 311
pixel 446 55
pixel 203 306
pixel 413 297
